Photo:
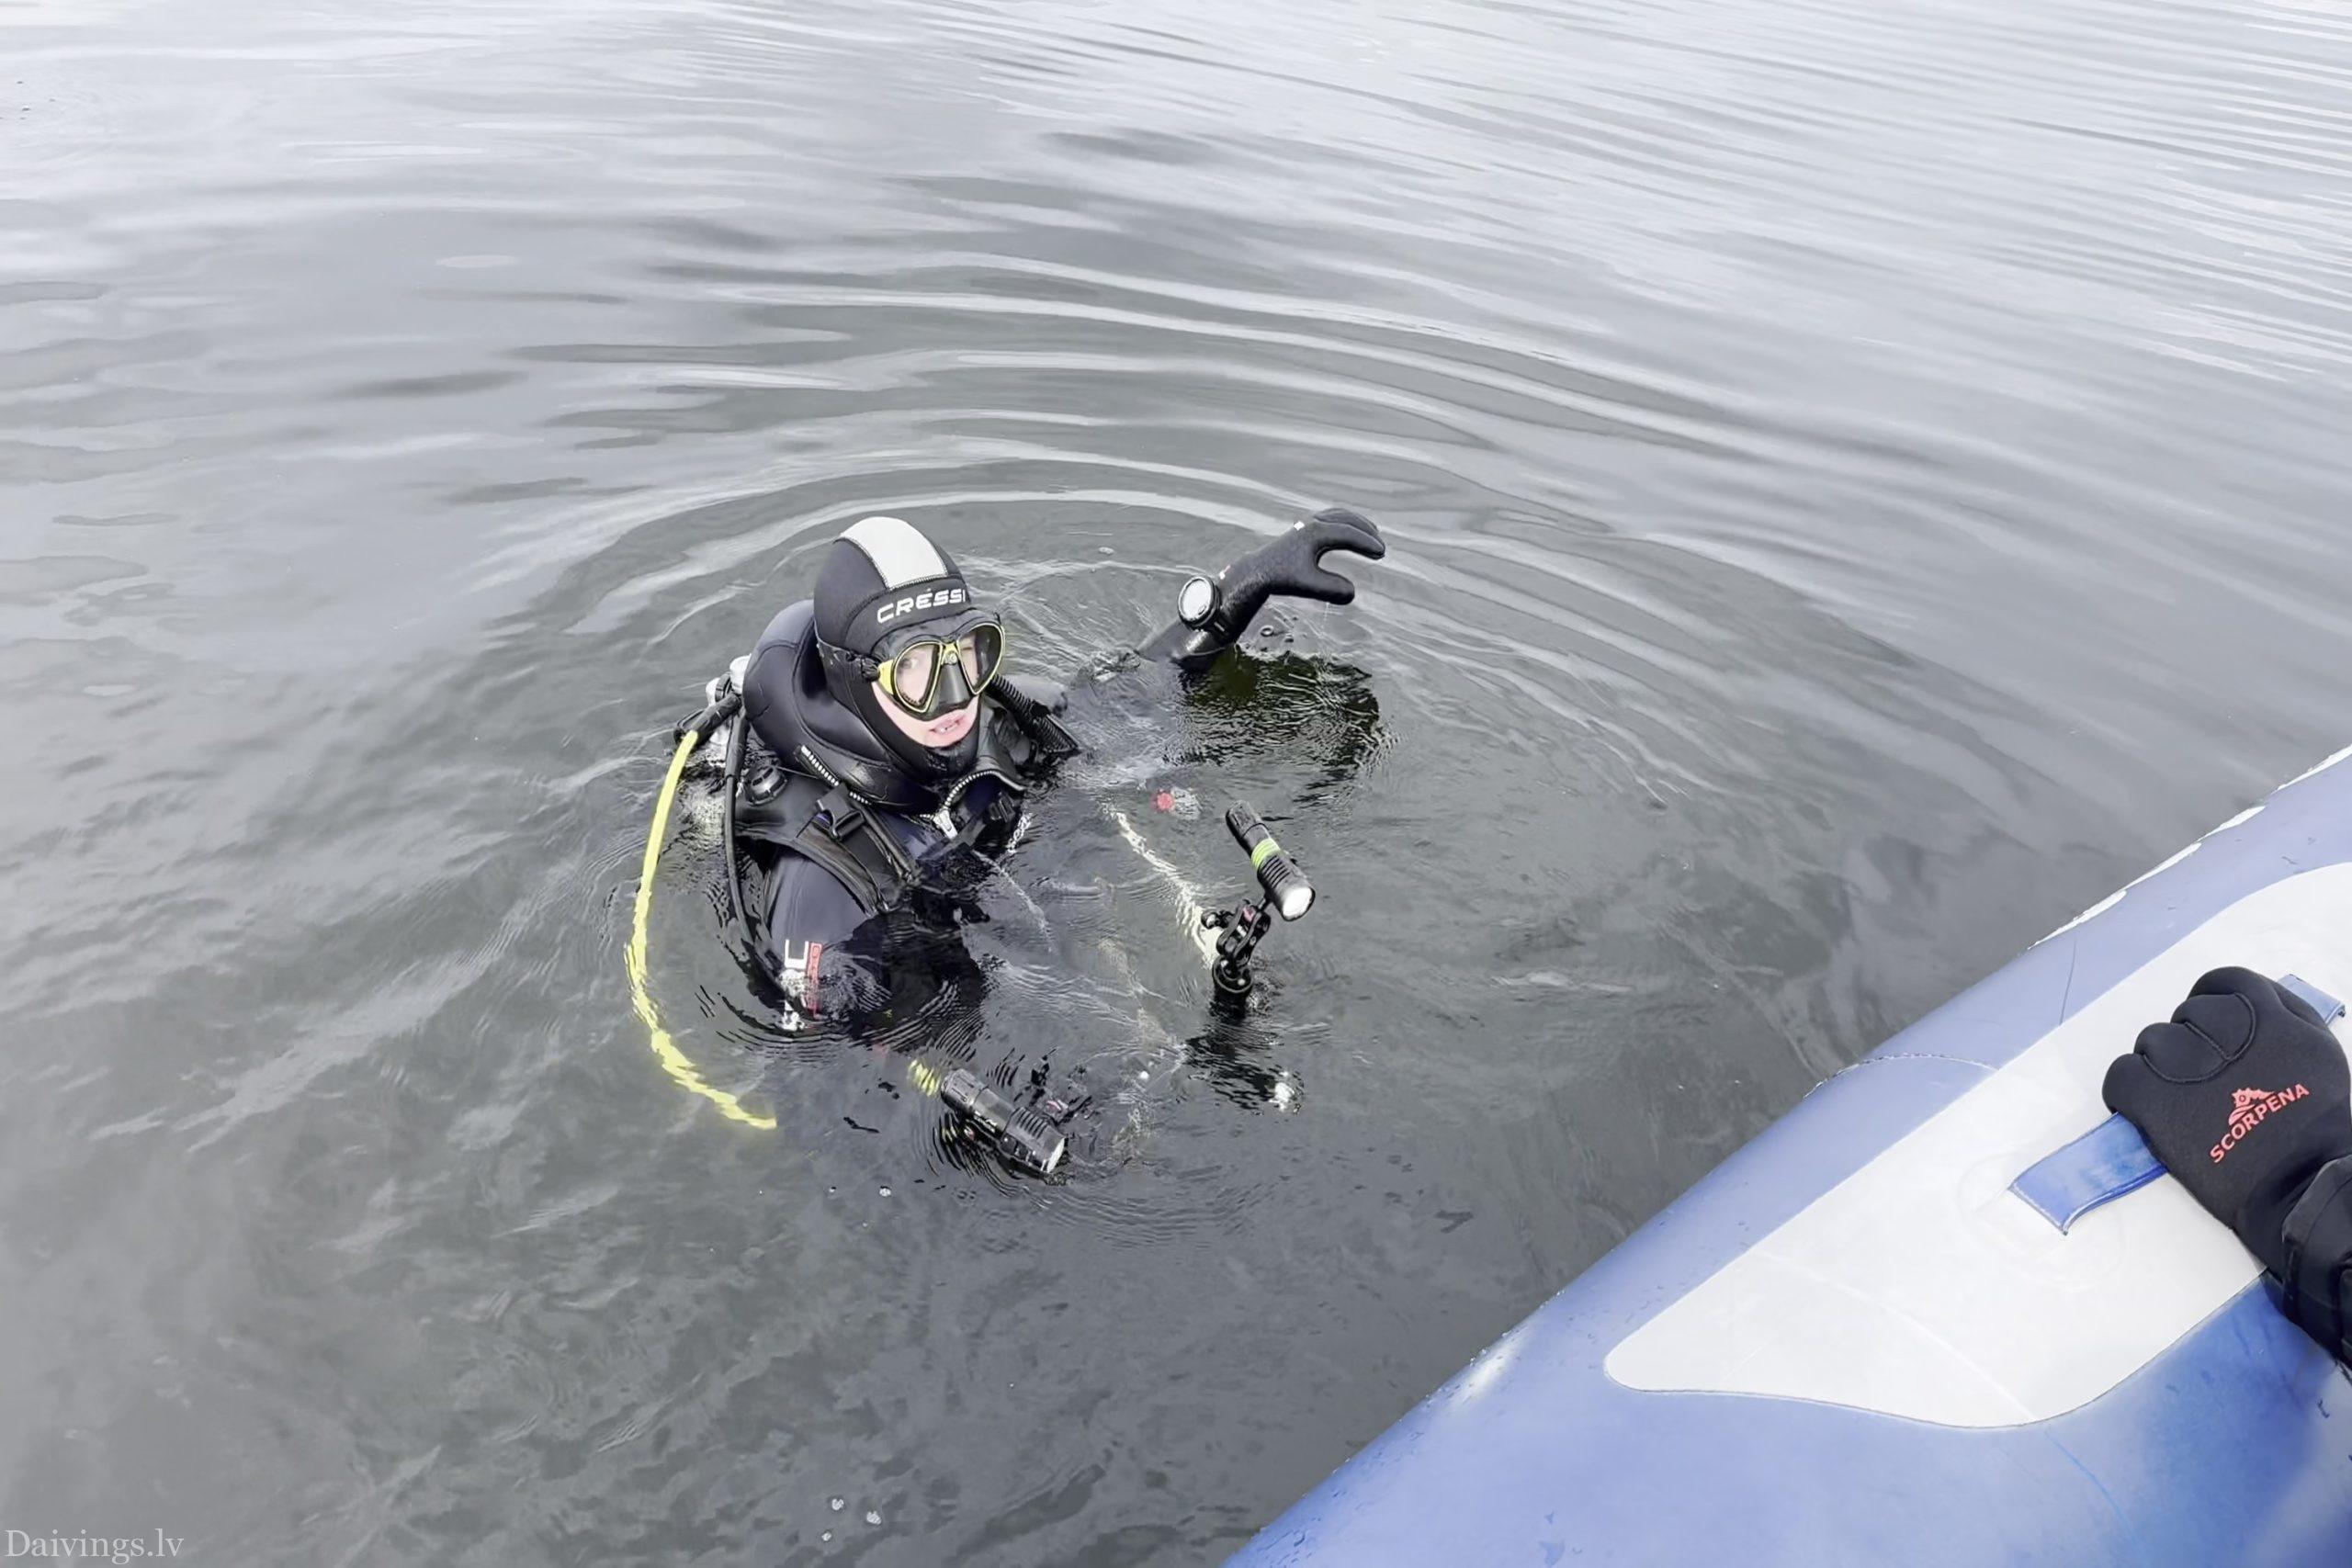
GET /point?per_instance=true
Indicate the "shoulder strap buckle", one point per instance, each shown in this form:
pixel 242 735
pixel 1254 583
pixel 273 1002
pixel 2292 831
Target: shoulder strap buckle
pixel 842 817
pixel 839 815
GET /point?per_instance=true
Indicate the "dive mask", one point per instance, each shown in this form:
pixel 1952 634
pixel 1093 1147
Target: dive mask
pixel 931 673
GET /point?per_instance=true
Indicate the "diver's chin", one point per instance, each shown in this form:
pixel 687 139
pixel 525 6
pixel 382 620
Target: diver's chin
pixel 948 728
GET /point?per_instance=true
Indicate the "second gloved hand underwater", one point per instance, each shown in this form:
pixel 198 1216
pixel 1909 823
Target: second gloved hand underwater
pixel 2245 1097
pixel 1214 612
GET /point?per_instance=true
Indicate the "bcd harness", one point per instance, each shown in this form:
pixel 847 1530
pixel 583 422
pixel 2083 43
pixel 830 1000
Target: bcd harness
pixel 808 809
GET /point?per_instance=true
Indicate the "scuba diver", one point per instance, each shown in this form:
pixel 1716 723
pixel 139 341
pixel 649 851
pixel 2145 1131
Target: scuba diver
pixel 880 756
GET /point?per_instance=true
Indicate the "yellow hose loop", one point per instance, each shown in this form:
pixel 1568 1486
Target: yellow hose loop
pixel 665 1050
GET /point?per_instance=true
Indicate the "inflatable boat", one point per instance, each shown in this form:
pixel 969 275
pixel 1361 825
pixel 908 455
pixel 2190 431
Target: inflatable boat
pixel 1946 1312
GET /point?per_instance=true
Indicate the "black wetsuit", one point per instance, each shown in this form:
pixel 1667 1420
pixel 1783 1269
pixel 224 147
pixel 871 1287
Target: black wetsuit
pixel 854 835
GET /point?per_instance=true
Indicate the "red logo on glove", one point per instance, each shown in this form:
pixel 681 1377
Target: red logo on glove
pixel 2248 1109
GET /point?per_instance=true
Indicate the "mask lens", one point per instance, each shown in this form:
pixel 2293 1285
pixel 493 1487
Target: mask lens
pixel 982 648
pixel 913 673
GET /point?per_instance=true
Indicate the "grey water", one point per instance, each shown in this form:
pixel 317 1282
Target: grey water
pixel 1863 479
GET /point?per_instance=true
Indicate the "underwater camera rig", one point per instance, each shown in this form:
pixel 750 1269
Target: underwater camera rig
pixel 1288 893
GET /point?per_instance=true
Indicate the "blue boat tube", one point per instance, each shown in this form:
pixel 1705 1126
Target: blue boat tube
pixel 1945 1312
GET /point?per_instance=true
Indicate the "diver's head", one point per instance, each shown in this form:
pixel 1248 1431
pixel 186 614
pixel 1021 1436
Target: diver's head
pixel 904 645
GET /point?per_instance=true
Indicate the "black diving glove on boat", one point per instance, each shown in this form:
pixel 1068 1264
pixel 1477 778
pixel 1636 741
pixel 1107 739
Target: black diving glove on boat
pixel 1214 612
pixel 2245 1097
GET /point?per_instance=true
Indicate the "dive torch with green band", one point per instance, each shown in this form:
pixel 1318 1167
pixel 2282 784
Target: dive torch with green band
pixel 1240 930
pixel 1287 886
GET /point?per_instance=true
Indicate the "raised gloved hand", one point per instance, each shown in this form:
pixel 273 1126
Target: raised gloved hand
pixel 2244 1096
pixel 1290 563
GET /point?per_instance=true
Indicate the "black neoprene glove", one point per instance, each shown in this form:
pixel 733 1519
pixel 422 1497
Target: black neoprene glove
pixel 2246 1098
pixel 1290 563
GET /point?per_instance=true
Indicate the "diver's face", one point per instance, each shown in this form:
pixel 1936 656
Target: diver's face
pixel 940 729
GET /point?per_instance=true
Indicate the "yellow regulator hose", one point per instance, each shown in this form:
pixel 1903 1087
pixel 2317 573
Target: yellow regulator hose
pixel 665 1050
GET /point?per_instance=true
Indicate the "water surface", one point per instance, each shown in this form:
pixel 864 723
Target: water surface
pixel 1864 481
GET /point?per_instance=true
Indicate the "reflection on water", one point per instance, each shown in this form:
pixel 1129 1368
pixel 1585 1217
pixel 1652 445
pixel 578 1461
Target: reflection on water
pixel 1861 482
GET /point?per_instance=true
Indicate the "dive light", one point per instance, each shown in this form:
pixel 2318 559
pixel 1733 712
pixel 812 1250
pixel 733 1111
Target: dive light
pixel 1287 886
pixel 1022 1133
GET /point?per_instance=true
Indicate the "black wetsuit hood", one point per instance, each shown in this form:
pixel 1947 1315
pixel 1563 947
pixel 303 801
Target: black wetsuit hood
pixel 793 710
pixel 879 581
pixel 792 707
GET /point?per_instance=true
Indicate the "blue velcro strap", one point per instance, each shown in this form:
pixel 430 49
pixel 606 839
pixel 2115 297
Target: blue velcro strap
pixel 2327 1007
pixel 2097 1168
pixel 2112 1158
